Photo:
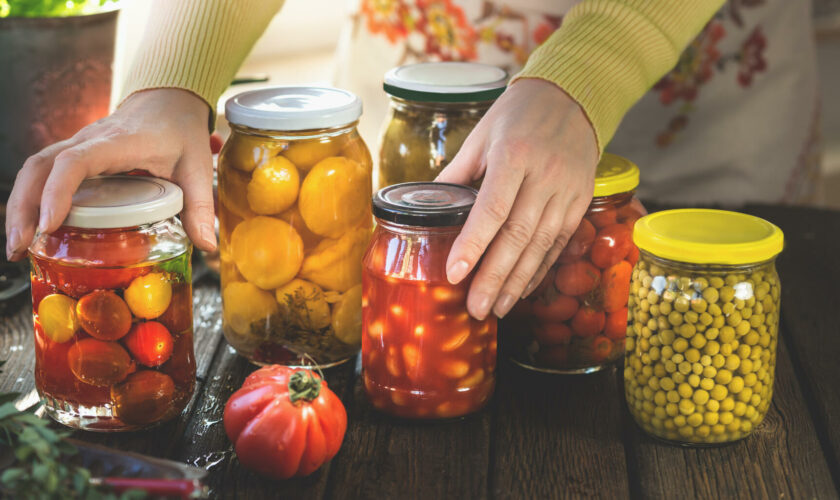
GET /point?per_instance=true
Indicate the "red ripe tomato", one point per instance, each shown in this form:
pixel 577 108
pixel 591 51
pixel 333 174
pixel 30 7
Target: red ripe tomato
pixel 562 308
pixel 633 255
pixel 631 212
pixel 577 278
pixel 104 315
pixel 178 316
pixel 602 217
pixel 40 289
pixel 588 322
pixel 285 422
pixel 616 326
pixel 150 343
pixel 579 243
pixel 181 365
pixel 144 397
pixel 552 334
pixel 98 363
pixel 616 286
pixel 611 245
pixel 601 348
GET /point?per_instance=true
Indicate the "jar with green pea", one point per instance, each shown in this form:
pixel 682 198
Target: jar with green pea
pixel 704 325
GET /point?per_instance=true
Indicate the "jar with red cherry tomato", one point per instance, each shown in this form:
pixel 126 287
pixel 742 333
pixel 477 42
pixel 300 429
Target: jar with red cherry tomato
pixel 576 320
pixel 112 307
pixel 423 356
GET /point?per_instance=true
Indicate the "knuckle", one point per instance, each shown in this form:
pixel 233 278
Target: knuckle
pixel 496 210
pixel 68 157
pixel 200 206
pixel 511 151
pixel 518 279
pixel 562 238
pixel 516 232
pixel 495 277
pixel 542 240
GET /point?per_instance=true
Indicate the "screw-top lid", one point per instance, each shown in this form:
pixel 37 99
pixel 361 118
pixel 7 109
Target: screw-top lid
pixel 614 175
pixel 293 108
pixel 124 201
pixel 703 236
pixel 427 204
pixel 446 82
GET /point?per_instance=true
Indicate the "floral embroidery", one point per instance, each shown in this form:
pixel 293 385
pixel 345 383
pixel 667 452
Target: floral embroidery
pixel 387 17
pixel 695 67
pixel 448 33
pixel 751 59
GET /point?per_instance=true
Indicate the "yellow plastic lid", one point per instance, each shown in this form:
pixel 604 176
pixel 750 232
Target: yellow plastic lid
pixel 702 236
pixel 615 175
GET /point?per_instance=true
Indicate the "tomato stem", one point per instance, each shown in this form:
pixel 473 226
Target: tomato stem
pixel 304 385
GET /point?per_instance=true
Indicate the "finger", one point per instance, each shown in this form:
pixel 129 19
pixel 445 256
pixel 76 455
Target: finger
pixel 25 198
pixel 468 164
pixel 109 155
pixel 194 173
pixel 492 206
pixel 510 242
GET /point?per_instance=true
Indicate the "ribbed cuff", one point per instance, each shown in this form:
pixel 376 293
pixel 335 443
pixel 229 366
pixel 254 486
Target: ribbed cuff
pixel 608 53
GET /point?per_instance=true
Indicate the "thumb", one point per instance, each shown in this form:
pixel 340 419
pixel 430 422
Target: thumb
pixel 194 173
pixel 468 165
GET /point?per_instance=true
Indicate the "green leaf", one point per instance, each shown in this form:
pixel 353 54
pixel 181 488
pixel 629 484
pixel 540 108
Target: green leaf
pixel 12 474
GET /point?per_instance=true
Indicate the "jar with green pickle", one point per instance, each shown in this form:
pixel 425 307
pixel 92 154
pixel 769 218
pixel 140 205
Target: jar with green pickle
pixel 294 222
pixel 704 325
pixel 434 107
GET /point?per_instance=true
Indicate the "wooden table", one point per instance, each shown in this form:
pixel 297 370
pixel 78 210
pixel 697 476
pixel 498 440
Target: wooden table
pixel 542 436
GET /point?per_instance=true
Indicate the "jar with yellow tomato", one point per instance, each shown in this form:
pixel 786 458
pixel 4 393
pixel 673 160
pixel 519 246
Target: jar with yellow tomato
pixel 295 219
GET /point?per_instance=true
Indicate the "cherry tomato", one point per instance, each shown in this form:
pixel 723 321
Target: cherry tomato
pixel 285 422
pixel 577 278
pixel 104 315
pixel 629 213
pixel 562 308
pixel 144 397
pixel 579 243
pixel 588 322
pixel 100 247
pixel 602 217
pixel 150 343
pixel 616 326
pixel 98 363
pixel 181 366
pixel 611 245
pixel 149 296
pixel 52 373
pixel 552 334
pixel 57 314
pixel 178 316
pixel 633 255
pixel 40 289
pixel 601 348
pixel 616 286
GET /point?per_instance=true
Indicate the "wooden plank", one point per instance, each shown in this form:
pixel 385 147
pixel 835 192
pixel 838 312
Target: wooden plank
pixel 557 436
pixel 781 459
pixel 383 457
pixel 205 444
pixel 809 270
pixel 17 348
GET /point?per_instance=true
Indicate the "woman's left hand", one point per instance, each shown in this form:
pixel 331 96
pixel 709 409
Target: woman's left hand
pixel 537 152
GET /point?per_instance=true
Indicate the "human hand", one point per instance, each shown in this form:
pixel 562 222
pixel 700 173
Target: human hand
pixel 538 153
pixel 163 131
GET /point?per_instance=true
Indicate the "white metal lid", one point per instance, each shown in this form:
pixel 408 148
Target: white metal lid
pixel 124 201
pixel 293 108
pixel 446 82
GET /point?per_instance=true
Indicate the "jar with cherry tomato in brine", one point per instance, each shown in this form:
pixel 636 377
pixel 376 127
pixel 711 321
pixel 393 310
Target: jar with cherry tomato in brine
pixel 423 356
pixel 294 221
pixel 576 319
pixel 112 307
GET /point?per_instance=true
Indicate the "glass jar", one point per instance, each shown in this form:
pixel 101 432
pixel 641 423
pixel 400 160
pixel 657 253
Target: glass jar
pixel 294 222
pixel 575 320
pixel 423 356
pixel 704 308
pixel 112 307
pixel 434 107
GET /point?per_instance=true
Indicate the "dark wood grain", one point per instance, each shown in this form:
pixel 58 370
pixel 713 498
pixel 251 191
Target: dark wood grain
pixel 779 460
pixel 809 270
pixel 551 433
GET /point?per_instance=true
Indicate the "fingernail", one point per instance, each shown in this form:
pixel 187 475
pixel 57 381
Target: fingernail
pixel 528 289
pixel 44 221
pixel 482 307
pixel 504 305
pixel 12 243
pixel 208 235
pixel 457 272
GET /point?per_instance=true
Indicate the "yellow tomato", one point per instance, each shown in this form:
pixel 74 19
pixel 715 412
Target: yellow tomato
pixel 267 251
pixel 243 304
pixel 246 153
pixel 334 196
pixel 233 192
pixel 337 264
pixel 148 296
pixel 304 302
pixel 355 150
pixel 292 216
pixel 274 186
pixel 347 316
pixel 306 153
pixel 57 314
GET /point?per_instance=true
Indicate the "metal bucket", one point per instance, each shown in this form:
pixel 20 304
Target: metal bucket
pixel 55 78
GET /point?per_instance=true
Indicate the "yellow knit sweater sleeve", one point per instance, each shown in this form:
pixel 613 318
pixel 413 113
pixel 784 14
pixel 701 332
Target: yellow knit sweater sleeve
pixel 197 45
pixel 608 53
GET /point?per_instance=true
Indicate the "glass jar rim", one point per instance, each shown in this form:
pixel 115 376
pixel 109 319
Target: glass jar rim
pixel 424 204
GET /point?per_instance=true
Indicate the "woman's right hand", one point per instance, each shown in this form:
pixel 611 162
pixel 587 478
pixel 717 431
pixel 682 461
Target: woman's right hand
pixel 162 131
